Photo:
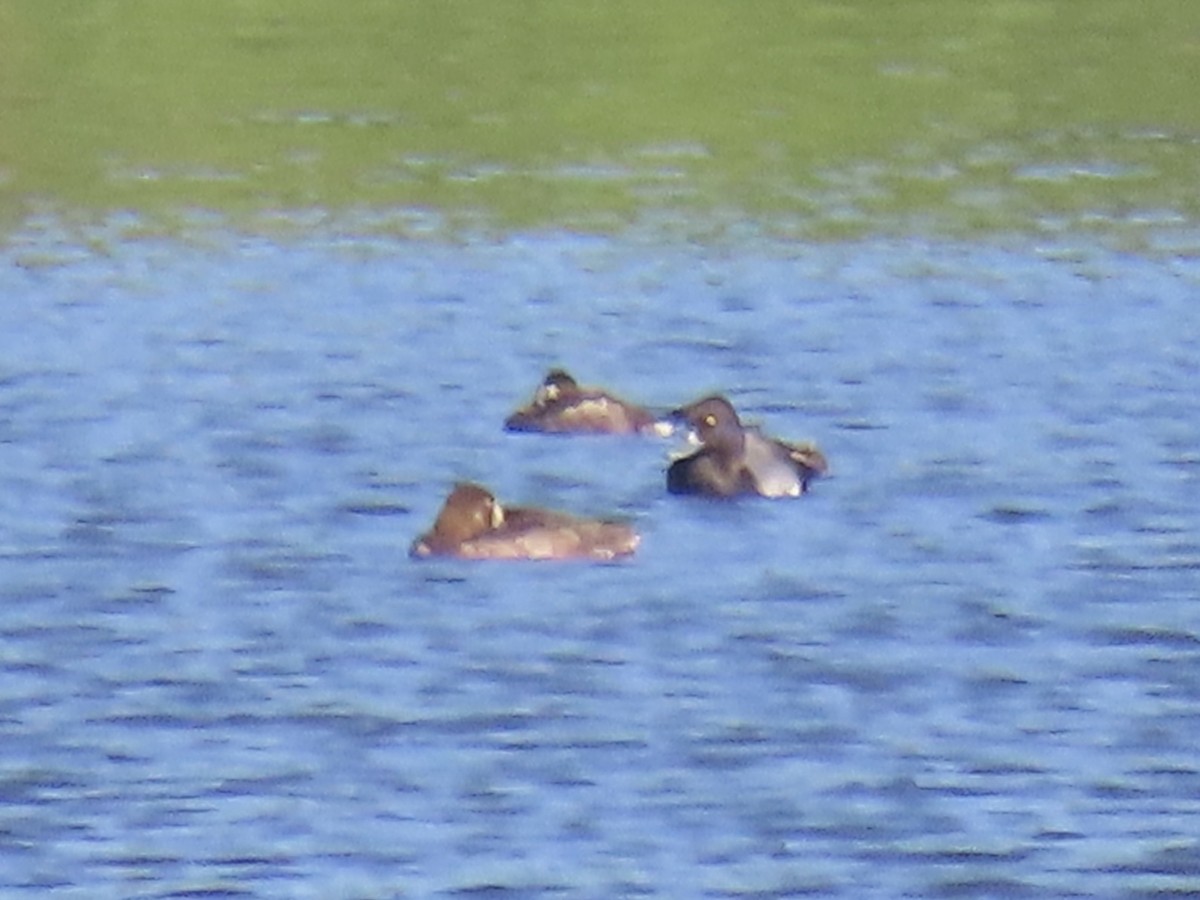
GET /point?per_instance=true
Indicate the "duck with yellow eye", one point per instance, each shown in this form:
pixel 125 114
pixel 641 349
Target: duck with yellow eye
pixel 561 406
pixel 473 525
pixel 734 459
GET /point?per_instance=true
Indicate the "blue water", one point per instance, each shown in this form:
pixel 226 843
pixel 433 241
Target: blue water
pixel 967 665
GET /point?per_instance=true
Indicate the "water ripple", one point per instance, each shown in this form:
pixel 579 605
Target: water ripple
pixel 963 666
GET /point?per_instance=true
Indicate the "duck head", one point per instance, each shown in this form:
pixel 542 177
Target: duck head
pixel 714 422
pixel 557 383
pixel 468 512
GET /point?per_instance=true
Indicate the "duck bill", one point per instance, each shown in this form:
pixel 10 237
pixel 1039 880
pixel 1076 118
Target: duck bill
pixel 672 423
pixel 689 443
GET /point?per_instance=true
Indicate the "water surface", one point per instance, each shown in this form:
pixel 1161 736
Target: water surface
pixel 274 273
pixel 965 665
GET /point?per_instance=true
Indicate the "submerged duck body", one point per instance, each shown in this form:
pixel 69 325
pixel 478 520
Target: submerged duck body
pixel 473 525
pixel 734 459
pixel 561 406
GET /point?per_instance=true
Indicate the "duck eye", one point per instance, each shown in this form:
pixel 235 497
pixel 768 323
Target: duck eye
pixel 710 420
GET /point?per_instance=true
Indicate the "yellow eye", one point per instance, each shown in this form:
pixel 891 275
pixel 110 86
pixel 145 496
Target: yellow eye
pixel 710 420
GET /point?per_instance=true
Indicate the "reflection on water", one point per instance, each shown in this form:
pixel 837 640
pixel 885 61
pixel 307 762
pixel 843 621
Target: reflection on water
pixel 819 119
pixel 964 665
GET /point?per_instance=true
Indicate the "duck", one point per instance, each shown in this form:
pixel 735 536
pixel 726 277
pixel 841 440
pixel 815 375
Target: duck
pixel 473 525
pixel 734 459
pixel 561 406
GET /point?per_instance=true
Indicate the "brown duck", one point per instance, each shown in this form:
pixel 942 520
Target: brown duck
pixel 473 525
pixel 561 406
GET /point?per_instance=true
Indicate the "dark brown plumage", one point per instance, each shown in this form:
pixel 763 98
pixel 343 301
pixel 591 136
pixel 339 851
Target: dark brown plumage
pixel 561 406
pixel 734 459
pixel 473 525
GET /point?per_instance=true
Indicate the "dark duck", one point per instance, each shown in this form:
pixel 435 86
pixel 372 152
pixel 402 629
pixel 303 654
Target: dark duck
pixel 733 459
pixel 561 406
pixel 473 525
